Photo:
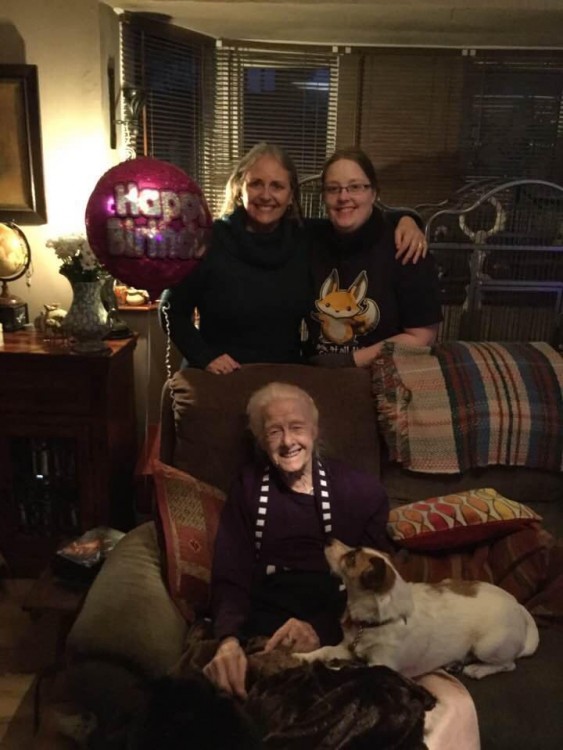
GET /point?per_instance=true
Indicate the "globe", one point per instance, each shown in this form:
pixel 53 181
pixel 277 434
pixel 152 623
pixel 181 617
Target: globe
pixel 14 253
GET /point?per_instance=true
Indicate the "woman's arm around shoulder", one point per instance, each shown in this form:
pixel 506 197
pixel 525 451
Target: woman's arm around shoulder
pixel 410 240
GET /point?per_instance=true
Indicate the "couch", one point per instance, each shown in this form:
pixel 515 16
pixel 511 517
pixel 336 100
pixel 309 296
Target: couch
pixel 130 628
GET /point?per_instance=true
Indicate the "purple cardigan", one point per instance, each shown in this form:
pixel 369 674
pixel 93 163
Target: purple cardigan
pixel 293 536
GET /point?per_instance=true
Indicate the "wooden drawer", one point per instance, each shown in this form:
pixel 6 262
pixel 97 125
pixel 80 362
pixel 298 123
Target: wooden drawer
pixel 45 386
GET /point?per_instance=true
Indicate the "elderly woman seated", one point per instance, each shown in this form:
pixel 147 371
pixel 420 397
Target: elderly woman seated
pixel 270 576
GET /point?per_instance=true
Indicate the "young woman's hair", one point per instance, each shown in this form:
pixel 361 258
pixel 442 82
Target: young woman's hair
pixel 272 392
pixel 353 154
pixel 233 188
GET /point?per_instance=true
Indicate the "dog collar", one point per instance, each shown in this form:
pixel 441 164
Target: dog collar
pixel 362 625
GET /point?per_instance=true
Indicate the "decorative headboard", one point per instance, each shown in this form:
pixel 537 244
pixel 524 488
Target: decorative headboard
pixel 499 250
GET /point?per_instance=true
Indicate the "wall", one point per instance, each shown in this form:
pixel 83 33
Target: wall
pixel 63 38
pixel 71 42
pixel 150 364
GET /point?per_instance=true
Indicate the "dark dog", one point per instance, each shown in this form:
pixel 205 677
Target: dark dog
pixel 189 712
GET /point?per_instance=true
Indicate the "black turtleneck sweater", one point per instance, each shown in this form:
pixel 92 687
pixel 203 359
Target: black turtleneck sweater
pixel 362 294
pixel 252 292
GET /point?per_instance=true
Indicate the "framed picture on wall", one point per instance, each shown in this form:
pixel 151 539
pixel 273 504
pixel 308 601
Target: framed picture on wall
pixel 22 192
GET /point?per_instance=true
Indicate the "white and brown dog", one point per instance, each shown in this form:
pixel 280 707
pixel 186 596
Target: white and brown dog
pixel 416 628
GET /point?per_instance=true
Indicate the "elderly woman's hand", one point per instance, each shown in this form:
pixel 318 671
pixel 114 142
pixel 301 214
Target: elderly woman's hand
pixel 228 667
pixel 222 365
pixel 410 241
pixel 297 635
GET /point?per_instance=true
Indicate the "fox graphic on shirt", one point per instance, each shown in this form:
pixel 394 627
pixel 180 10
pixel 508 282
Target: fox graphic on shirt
pixel 345 313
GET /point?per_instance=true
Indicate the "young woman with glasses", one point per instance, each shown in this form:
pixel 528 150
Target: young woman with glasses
pixel 252 288
pixel 363 294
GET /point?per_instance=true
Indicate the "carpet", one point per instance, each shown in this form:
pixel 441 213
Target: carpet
pixel 17 734
pixel 27 647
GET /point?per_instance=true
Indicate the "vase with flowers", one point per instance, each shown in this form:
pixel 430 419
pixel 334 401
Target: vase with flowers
pixel 86 319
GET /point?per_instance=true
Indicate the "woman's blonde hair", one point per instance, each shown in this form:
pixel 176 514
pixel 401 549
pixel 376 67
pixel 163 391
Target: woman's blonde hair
pixel 273 392
pixel 233 188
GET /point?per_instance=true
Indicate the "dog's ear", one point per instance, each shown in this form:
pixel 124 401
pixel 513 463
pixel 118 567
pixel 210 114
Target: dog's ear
pixel 373 577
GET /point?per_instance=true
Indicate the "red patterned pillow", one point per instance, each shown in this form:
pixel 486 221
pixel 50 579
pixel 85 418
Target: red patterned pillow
pixel 188 512
pixel 458 520
pixel 518 562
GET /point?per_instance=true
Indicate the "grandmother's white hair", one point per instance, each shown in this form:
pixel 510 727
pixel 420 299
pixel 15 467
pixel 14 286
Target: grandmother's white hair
pixel 272 392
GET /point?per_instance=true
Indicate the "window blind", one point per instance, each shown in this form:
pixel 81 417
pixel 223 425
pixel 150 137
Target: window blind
pixel 430 119
pixel 410 120
pixel 513 115
pixel 434 120
pixel 286 96
pixel 174 69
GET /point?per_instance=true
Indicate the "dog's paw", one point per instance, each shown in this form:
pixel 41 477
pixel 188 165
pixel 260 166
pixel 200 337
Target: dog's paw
pixel 304 658
pixel 478 670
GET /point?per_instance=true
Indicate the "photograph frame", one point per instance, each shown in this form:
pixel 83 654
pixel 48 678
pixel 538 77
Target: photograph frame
pixel 22 189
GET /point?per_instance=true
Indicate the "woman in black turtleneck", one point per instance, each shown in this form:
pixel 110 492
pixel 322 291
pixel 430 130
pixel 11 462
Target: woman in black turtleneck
pixel 253 287
pixel 362 294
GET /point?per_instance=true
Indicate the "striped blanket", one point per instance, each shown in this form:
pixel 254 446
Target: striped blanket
pixel 460 405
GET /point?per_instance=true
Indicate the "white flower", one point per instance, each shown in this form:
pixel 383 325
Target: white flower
pixel 68 246
pixel 79 263
pixel 87 258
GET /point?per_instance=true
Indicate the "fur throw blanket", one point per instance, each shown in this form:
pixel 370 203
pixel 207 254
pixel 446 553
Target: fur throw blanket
pixel 310 707
pixel 290 706
pixel 313 706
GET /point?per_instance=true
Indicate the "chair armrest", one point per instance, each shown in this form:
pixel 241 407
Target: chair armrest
pixel 128 613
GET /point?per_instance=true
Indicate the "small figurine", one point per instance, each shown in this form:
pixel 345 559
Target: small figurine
pixel 136 297
pixel 50 320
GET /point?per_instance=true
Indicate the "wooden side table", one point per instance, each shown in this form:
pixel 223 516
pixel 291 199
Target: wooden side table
pixel 67 445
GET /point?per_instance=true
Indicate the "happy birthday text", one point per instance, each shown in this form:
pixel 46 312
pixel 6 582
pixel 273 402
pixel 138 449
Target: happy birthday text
pixel 157 238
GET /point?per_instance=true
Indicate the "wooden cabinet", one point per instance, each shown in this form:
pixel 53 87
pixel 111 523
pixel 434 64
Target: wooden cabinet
pixel 67 445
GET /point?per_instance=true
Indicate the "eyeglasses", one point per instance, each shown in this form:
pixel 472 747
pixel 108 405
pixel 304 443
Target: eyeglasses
pixel 356 188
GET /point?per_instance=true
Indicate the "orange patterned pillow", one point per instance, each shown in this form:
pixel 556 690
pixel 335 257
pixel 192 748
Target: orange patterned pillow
pixel 458 520
pixel 188 515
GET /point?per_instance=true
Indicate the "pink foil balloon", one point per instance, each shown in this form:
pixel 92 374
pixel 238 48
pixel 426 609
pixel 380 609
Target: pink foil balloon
pixel 148 223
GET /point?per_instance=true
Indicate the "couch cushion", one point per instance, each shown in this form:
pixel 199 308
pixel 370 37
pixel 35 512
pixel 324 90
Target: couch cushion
pixel 188 511
pixel 211 437
pixel 458 520
pixel 128 613
pixel 523 709
pixel 520 484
